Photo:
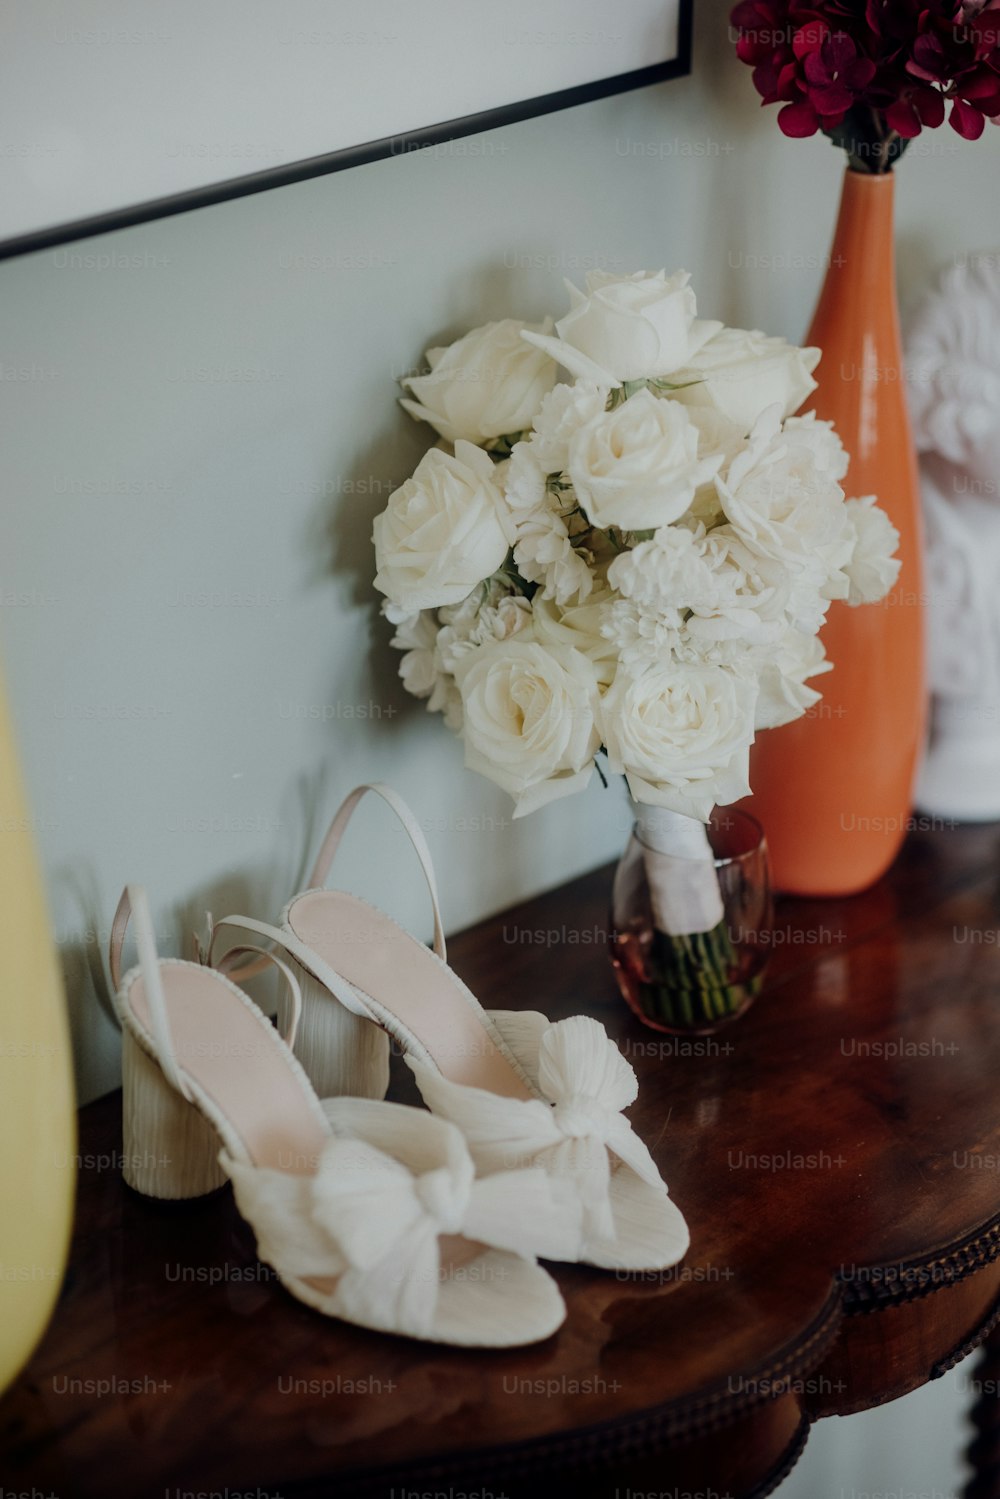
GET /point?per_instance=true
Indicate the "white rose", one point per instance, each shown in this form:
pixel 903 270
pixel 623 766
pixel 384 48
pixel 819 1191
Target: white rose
pixel 742 373
pixel 637 466
pixel 873 568
pixel 578 625
pixel 784 507
pixel 528 719
pixel 784 670
pixel 627 327
pixel 443 531
pixel 681 735
pixel 488 384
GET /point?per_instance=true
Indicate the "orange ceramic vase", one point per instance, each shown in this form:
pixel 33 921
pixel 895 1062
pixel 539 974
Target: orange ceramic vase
pixel 833 790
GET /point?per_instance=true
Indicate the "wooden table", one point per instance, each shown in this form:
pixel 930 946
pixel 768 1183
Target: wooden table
pixel 837 1153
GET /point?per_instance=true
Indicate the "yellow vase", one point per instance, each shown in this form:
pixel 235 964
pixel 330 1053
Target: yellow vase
pixel 37 1117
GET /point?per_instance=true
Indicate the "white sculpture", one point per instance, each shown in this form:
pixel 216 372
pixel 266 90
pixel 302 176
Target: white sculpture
pixel 953 369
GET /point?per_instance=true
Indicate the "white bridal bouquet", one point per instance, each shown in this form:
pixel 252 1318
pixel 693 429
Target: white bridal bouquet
pixel 636 557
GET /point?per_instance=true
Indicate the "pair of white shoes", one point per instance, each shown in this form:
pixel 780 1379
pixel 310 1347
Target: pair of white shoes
pixel 421 1223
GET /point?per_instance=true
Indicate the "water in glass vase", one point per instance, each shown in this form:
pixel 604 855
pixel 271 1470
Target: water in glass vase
pixel 693 981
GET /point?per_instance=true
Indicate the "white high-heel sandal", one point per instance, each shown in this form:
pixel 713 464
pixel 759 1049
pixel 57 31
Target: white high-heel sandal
pixel 523 1090
pixel 367 1211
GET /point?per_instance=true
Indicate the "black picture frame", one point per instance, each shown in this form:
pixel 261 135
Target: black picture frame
pixel 354 156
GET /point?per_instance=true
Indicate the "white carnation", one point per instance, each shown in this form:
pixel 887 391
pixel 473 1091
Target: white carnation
pixel 543 550
pixel 422 669
pixel 873 568
pixel 562 412
pixel 664 572
pixel 783 695
pixel 727 591
pixel 787 510
pixel 643 639
pixel 823 442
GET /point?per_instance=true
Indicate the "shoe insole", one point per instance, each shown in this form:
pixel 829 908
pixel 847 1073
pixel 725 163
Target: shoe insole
pixel 378 958
pixel 234 1057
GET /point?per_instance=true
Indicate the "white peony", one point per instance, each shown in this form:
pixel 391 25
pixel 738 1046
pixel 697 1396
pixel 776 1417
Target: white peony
pixel 627 327
pixel 488 384
pixel 529 719
pixel 637 467
pixel 742 373
pixel 874 567
pixel 443 531
pixel 681 735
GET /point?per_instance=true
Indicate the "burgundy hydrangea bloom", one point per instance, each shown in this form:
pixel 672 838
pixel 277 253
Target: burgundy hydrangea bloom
pixel 873 73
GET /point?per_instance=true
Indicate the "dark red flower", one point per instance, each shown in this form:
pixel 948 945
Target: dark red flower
pixel 843 66
pixel 966 120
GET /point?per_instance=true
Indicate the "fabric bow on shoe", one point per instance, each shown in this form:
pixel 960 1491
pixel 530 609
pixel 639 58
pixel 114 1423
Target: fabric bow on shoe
pixel 572 1130
pixel 368 1222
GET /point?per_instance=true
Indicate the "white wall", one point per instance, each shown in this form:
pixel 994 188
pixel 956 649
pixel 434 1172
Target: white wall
pixel 196 437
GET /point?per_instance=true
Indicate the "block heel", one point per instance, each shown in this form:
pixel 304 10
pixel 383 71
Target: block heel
pixel 344 1055
pixel 170 1150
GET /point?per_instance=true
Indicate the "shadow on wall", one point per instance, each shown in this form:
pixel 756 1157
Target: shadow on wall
pixel 340 533
pixel 260 891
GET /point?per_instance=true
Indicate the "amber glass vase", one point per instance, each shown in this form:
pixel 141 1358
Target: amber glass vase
pixel 833 790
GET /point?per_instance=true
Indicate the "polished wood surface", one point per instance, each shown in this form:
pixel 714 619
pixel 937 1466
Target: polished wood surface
pixel 837 1153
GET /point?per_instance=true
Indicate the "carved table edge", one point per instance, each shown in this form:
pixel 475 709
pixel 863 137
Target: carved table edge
pixel 644 1434
pixel 911 1280
pixel 969 1344
pixel 789 1459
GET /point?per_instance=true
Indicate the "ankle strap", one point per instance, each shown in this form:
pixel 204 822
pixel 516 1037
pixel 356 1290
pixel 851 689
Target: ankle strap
pixel 292 945
pixel 259 960
pixel 331 843
pixel 135 902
